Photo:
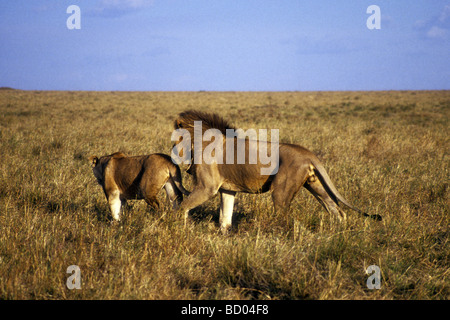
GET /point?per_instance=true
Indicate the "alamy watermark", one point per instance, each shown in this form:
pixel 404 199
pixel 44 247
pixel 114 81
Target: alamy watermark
pixel 251 148
pixel 374 281
pixel 374 20
pixel 73 281
pixel 74 20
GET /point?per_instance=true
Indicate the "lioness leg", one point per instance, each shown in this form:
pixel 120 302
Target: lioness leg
pixel 150 189
pixel 316 188
pixel 153 202
pixel 115 204
pixel 173 193
pixel 226 210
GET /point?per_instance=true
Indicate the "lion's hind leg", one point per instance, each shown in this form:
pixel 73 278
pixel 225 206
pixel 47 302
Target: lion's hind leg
pixel 286 185
pixel 314 186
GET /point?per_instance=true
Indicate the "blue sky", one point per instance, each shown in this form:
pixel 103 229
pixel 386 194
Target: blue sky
pixel 223 45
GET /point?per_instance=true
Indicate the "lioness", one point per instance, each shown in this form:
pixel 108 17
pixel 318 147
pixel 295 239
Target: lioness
pixel 297 167
pixel 141 177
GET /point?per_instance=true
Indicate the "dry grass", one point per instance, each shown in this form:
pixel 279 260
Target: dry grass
pixel 387 152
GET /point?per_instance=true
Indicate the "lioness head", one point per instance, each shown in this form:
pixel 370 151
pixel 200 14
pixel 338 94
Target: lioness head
pixel 93 160
pixel 98 172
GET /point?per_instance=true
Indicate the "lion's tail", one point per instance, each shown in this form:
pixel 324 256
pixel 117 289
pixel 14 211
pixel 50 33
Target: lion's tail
pixel 332 191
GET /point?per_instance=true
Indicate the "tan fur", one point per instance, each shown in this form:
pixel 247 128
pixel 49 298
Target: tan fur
pixel 297 167
pixel 140 177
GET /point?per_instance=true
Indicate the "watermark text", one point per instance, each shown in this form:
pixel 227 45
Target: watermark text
pixel 235 147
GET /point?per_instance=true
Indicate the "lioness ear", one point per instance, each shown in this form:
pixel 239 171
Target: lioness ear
pixel 93 160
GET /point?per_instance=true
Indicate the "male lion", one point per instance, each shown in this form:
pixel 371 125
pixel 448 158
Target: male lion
pixel 297 167
pixel 141 177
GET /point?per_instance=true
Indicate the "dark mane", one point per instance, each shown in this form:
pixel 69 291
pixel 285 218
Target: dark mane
pixel 186 120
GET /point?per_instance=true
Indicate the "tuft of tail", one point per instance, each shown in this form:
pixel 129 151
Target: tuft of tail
pixel 334 194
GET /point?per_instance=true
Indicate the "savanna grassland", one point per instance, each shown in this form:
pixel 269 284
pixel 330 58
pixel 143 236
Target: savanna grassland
pixel 386 152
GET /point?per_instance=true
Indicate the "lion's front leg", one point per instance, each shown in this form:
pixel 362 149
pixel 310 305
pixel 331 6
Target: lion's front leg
pixel 226 210
pixel 198 196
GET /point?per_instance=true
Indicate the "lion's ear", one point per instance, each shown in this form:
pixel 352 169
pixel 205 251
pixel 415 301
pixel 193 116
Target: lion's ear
pixel 178 124
pixel 93 160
